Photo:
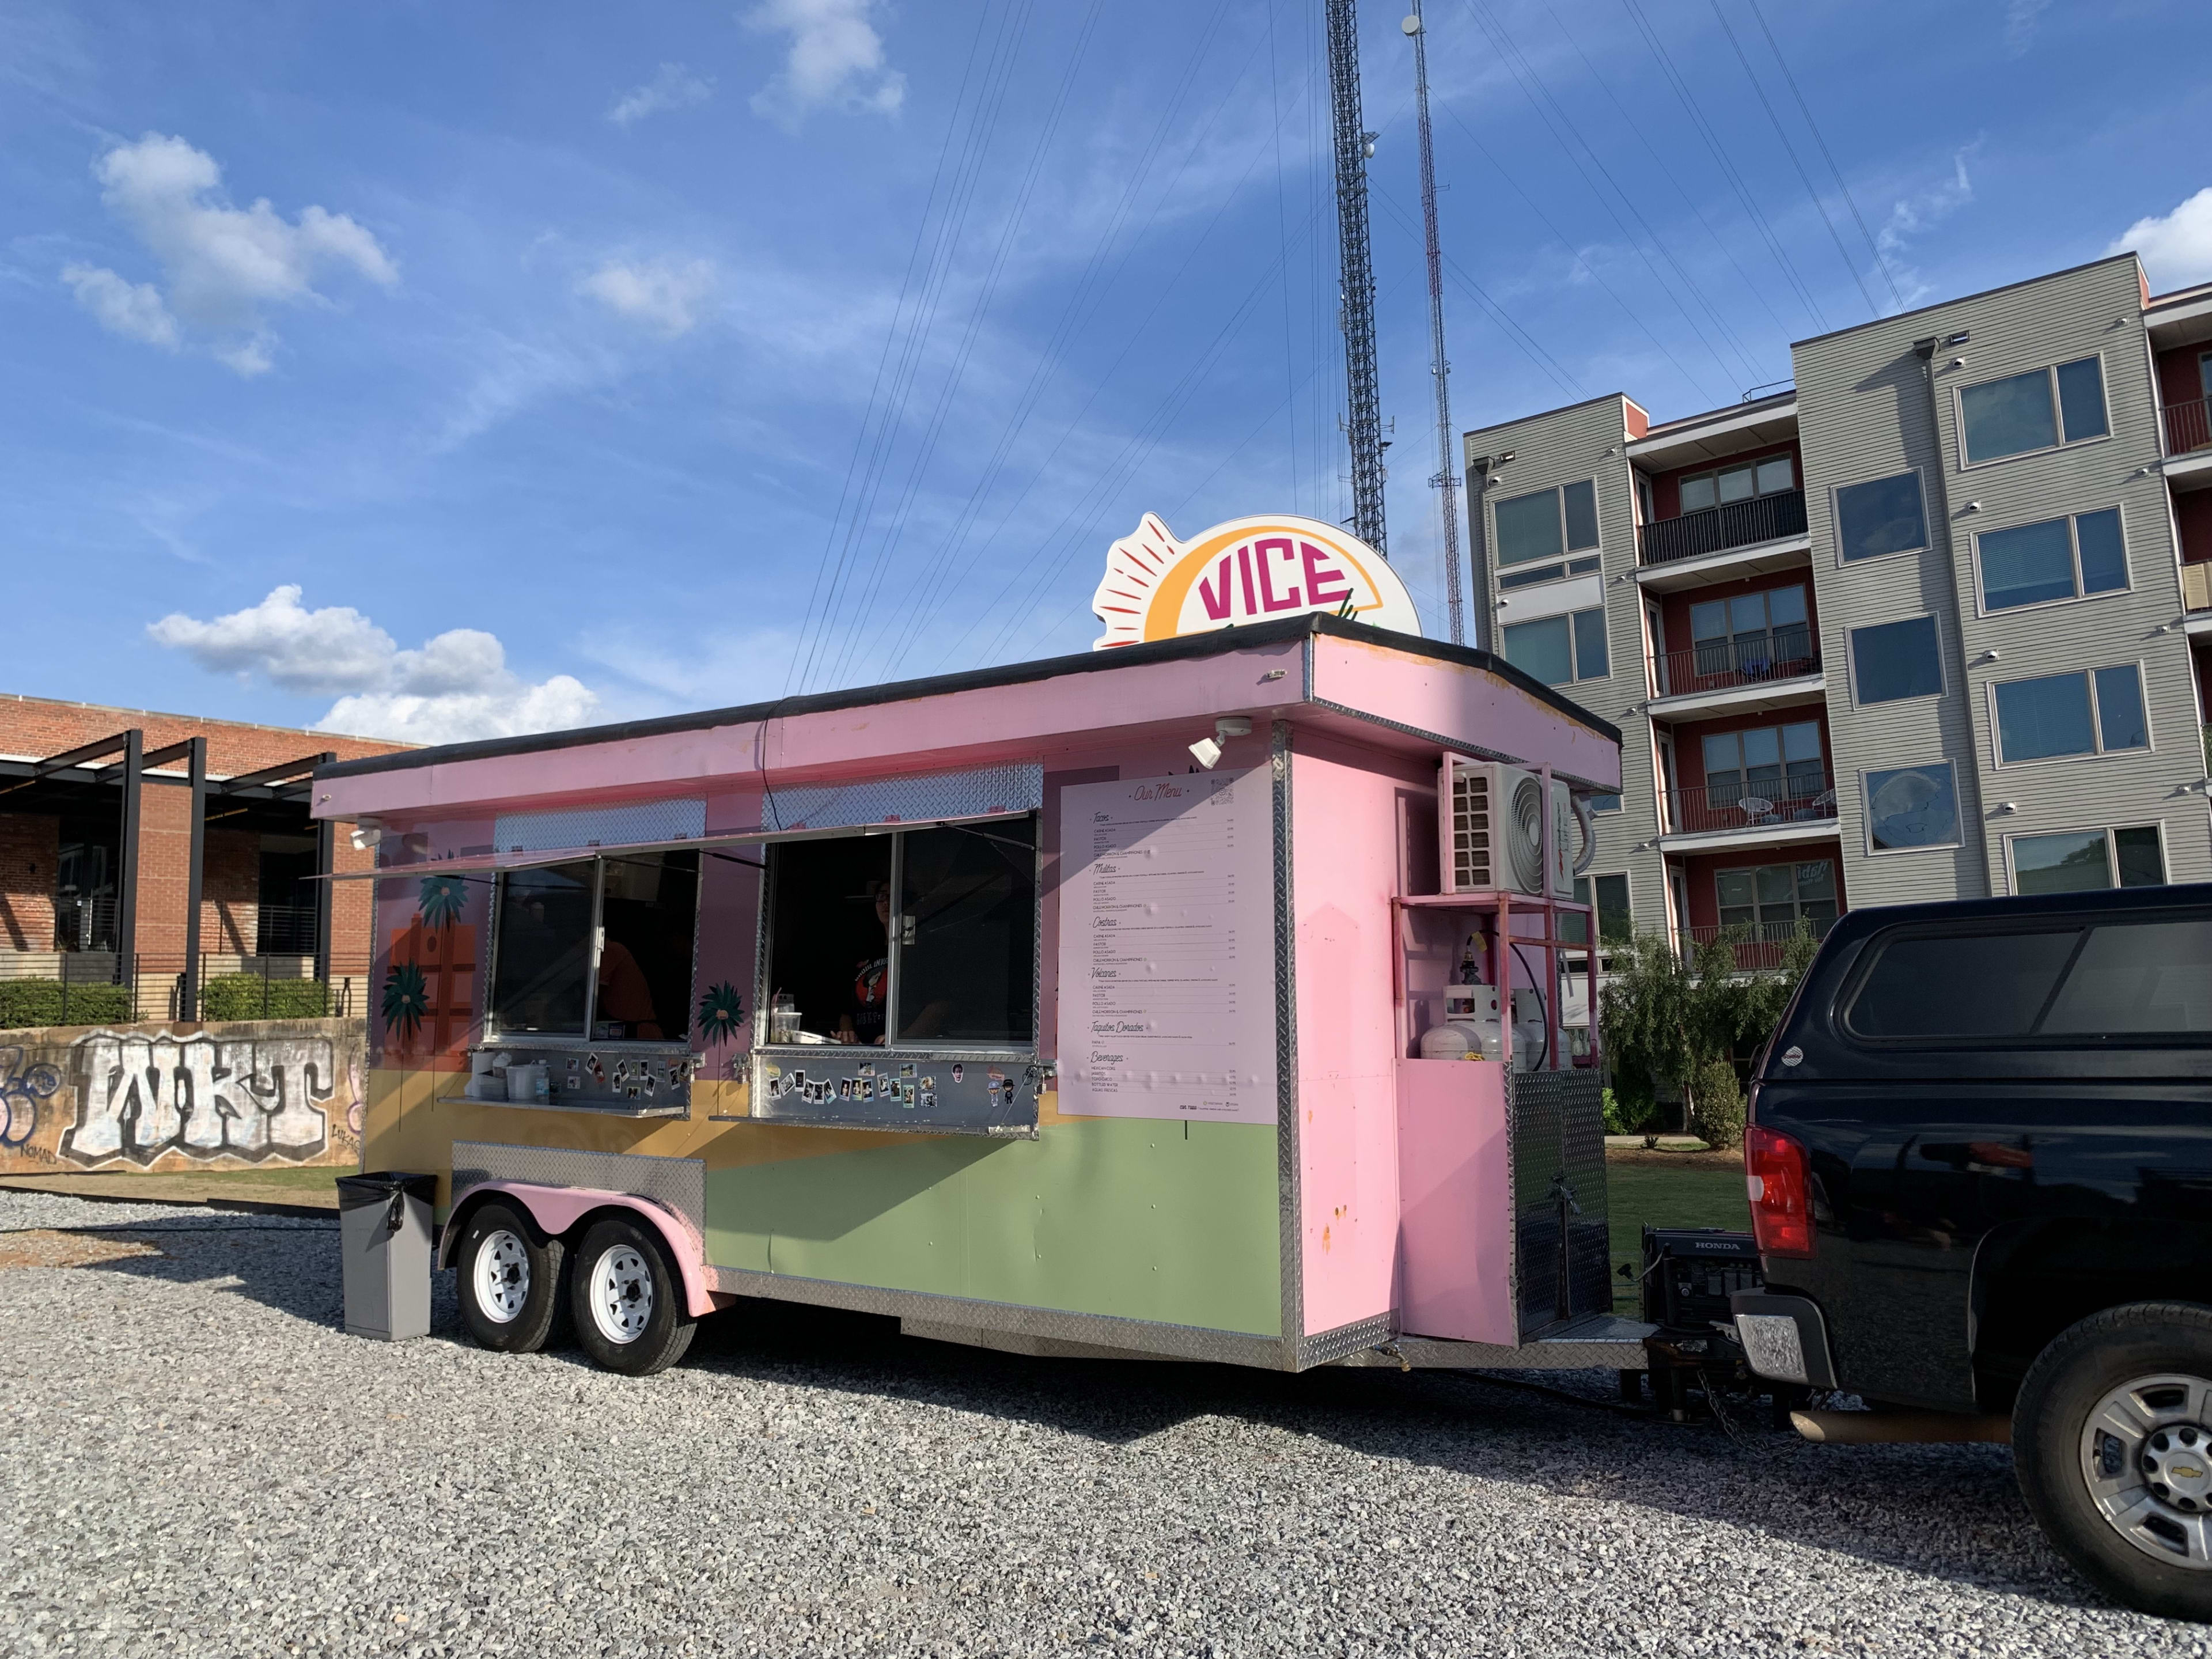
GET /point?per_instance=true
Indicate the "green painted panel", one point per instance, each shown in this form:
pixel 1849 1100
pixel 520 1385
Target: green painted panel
pixel 1163 1221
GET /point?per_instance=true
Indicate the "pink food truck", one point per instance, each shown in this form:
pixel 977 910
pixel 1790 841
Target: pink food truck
pixel 1203 997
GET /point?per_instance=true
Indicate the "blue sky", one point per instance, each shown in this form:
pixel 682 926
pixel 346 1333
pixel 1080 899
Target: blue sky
pixel 440 372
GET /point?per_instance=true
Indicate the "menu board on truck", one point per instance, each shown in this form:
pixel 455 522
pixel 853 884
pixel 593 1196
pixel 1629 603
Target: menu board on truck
pixel 1166 949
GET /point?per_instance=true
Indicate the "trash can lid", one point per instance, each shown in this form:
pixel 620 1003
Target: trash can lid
pixel 376 1186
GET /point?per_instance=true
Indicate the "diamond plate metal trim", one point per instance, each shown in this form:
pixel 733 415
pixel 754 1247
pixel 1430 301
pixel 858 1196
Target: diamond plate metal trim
pixel 1327 1348
pixel 630 824
pixel 1288 1184
pixel 1556 1140
pixel 925 798
pixel 675 1183
pixel 1102 1330
pixel 1602 1343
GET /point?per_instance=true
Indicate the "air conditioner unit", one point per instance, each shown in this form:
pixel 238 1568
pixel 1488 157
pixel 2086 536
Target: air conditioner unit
pixel 1491 816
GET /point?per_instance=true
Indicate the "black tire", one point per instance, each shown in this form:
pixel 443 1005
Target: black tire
pixel 508 1277
pixel 2156 1471
pixel 626 1299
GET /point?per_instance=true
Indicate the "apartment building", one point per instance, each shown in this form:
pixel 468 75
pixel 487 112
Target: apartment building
pixel 1934 624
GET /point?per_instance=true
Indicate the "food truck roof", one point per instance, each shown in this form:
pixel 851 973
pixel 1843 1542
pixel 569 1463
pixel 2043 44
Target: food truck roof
pixel 1378 683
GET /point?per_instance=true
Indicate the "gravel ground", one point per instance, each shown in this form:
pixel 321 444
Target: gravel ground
pixel 201 1463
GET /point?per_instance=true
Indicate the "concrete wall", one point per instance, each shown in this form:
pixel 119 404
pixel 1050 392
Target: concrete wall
pixel 269 1094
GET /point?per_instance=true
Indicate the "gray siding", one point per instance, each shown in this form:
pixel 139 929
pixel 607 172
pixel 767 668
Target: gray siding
pixel 1865 410
pixel 1564 447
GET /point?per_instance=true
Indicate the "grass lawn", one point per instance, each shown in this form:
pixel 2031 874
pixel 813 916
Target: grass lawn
pixel 1687 1194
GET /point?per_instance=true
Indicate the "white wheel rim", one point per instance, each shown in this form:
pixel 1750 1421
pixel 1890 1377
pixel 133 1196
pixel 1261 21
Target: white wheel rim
pixel 501 1276
pixel 622 1293
pixel 2147 1458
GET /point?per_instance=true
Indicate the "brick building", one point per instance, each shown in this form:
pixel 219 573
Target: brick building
pixel 96 850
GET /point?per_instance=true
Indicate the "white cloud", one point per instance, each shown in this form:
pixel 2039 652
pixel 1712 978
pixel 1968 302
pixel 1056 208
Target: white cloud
pixel 455 686
pixel 2020 18
pixel 837 58
pixel 673 88
pixel 2176 249
pixel 663 295
pixel 137 310
pixel 1919 213
pixel 224 264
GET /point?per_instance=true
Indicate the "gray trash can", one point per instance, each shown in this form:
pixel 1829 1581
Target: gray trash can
pixel 384 1231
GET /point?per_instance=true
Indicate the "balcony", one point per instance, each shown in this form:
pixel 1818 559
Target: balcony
pixel 2188 426
pixel 1717 530
pixel 1751 945
pixel 1806 797
pixel 1788 653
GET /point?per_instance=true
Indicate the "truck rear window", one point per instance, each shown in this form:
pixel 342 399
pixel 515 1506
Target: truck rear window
pixel 1960 985
pixel 2115 979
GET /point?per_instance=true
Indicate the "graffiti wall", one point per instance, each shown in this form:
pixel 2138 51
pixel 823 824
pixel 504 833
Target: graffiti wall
pixel 266 1093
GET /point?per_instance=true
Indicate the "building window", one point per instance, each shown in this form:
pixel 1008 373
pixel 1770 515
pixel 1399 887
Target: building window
pixel 1912 806
pixel 1546 523
pixel 1724 486
pixel 1772 899
pixel 1610 894
pixel 2056 559
pixel 2039 410
pixel 601 948
pixel 1882 515
pixel 2084 860
pixel 1559 650
pixel 1782 765
pixel 922 936
pixel 1891 661
pixel 2058 715
pixel 1759 634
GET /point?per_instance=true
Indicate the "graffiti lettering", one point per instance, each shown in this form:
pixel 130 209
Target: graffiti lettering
pixel 21 1088
pixel 249 1097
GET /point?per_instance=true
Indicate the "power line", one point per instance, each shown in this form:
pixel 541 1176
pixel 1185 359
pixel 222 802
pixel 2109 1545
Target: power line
pixel 1873 247
pixel 1529 346
pixel 1549 111
pixel 1790 149
pixel 1712 143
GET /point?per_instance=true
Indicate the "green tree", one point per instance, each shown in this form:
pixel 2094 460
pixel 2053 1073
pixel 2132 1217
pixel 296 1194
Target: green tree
pixel 1668 1018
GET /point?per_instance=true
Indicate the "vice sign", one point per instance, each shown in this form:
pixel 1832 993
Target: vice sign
pixel 1245 571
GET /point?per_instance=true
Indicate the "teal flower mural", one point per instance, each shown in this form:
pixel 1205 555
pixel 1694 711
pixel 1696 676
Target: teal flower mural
pixel 441 900
pixel 722 1012
pixel 406 998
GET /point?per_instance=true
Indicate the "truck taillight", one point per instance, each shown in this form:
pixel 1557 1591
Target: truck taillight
pixel 1775 1177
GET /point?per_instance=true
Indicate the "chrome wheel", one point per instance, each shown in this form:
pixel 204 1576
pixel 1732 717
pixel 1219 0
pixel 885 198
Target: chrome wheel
pixel 621 1293
pixel 501 1276
pixel 2146 1456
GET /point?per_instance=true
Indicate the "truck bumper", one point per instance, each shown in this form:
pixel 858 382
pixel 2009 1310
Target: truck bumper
pixel 1784 1338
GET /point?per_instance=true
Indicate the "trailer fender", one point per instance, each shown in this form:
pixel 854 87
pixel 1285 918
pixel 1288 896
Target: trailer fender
pixel 557 1209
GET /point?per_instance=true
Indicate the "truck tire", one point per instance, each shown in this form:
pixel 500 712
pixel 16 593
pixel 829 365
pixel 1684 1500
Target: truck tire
pixel 508 1277
pixel 2112 1444
pixel 628 1301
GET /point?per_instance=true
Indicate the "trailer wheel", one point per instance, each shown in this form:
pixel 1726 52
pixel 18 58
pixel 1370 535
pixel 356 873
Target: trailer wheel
pixel 2112 1443
pixel 628 1300
pixel 509 1282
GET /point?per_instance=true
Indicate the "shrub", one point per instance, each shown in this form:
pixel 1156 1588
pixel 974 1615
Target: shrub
pixel 28 1002
pixel 1717 1113
pixel 1626 1116
pixel 249 996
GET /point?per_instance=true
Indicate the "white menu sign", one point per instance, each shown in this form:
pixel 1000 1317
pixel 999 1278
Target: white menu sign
pixel 1166 949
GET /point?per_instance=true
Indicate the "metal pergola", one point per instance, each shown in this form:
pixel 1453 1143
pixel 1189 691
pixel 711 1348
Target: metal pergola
pixel 274 798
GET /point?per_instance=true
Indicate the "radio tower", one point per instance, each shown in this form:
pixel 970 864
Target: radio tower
pixel 1447 478
pixel 1363 411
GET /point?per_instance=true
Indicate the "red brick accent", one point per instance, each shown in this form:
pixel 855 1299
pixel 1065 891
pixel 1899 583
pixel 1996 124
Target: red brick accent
pixel 29 845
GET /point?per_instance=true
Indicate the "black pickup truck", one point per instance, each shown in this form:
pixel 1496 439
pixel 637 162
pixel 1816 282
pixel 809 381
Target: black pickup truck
pixel 1980 1166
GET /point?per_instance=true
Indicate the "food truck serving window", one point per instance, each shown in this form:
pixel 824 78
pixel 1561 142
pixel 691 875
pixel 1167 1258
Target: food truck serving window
pixel 921 938
pixel 602 947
